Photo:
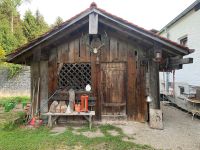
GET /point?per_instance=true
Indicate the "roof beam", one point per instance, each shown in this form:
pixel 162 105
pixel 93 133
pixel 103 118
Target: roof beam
pixel 93 23
pixel 175 63
pixel 181 61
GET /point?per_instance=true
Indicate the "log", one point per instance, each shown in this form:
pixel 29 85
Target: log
pixel 180 61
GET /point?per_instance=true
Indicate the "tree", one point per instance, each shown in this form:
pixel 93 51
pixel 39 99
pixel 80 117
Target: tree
pixel 30 26
pixel 11 35
pixel 2 54
pixel 42 25
pixel 9 8
pixel 33 26
pixel 19 35
pixel 58 21
pixel 7 39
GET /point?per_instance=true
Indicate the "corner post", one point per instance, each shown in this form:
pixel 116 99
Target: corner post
pixel 155 113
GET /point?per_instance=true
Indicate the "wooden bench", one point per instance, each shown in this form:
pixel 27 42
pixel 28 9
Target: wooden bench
pixel 87 115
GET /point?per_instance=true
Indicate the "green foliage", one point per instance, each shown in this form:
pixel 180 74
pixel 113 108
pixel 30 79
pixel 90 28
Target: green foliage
pixel 30 26
pixel 9 106
pixel 2 54
pixel 11 35
pixel 19 35
pixel 7 39
pixel 15 32
pixel 58 21
pixel 16 100
pixel 13 69
pixel 34 26
pixel 41 24
pixel 14 124
pixel 8 126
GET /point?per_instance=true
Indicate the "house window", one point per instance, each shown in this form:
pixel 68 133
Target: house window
pixel 182 90
pixel 183 41
pixel 75 76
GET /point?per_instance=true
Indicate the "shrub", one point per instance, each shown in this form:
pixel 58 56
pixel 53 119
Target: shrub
pixel 11 125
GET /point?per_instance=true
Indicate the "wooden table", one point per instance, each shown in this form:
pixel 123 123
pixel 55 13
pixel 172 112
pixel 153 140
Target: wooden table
pixel 87 115
pixel 194 111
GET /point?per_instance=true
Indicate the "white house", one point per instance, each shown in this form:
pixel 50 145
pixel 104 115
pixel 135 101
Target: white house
pixel 184 29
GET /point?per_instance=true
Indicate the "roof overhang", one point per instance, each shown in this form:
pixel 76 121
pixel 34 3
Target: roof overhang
pixel 180 50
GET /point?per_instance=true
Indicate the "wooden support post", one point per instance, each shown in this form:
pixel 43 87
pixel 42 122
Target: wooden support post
pixel 35 71
pixel 43 86
pixel 154 90
pixel 95 73
pixel 155 113
pixel 93 23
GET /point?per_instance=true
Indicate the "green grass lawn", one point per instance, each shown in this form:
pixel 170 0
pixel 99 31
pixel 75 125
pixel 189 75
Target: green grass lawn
pixel 17 137
pixel 42 139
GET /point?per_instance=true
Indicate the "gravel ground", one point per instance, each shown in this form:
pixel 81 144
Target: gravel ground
pixel 180 131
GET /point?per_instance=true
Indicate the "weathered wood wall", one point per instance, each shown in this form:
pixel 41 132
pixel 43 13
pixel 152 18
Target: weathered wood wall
pixel 39 86
pixel 119 54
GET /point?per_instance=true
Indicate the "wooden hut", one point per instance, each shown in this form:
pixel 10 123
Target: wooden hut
pixel 121 61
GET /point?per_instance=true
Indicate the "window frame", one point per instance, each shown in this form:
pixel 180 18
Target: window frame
pixel 181 89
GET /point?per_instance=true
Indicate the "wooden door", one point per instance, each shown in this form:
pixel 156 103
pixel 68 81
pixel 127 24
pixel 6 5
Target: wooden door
pixel 113 88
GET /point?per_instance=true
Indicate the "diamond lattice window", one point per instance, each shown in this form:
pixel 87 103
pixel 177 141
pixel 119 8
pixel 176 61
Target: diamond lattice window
pixel 75 76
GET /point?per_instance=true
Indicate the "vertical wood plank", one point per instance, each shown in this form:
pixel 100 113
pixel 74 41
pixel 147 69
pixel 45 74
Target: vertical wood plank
pixel 63 53
pixel 131 84
pixel 37 54
pixel 93 23
pixel 95 70
pixel 52 72
pixel 123 46
pixel 71 52
pixel 140 94
pixel 105 51
pixel 113 86
pixel 113 49
pixel 76 50
pixel 34 82
pixel 43 86
pixel 83 50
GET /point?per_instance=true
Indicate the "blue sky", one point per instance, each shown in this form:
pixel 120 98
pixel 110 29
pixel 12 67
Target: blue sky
pixel 145 13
